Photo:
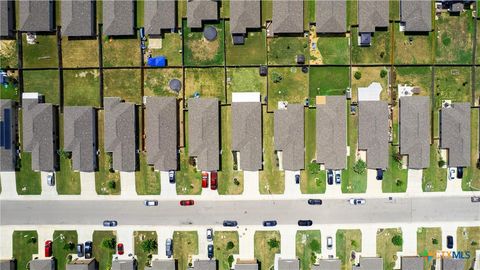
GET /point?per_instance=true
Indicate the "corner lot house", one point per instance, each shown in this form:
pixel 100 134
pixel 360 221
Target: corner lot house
pixel 160 15
pixel 201 11
pixel 289 137
pixel 455 133
pixel 78 18
pixel 8 135
pixel 118 17
pixel 331 16
pixel 287 17
pixel 416 16
pixel 244 14
pixel 36 16
pixel 372 14
pixel 7 19
pixel 373 133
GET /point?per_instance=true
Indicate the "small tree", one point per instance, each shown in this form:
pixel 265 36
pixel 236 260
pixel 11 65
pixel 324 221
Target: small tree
pixel 360 167
pixel 383 73
pixel 357 75
pixel 230 260
pixel 32 240
pixel 149 245
pixel 109 243
pixel 276 78
pixel 69 246
pixel 230 245
pixel 434 241
pixel 441 163
pixel 112 184
pixel 397 156
pixel 397 240
pixel 273 243
pixel 315 245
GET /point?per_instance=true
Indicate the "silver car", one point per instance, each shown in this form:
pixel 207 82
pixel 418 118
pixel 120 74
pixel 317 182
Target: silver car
pixel 210 235
pixel 51 179
pixel 169 247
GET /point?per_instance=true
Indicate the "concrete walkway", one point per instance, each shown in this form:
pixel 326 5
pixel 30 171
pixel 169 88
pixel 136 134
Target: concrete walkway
pixel 87 183
pixel 127 183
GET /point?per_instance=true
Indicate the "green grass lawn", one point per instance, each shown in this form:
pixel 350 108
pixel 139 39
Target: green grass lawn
pixel 209 82
pixel 223 250
pixel 454 38
pixel 157 82
pixel 185 244
pixel 43 54
pixel 418 51
pixel 68 181
pixel 147 180
pixel 45 82
pixel 245 80
pixel 79 53
pixel 394 178
pixel 378 52
pixel 328 49
pixel 369 75
pixel 140 9
pixel 434 177
pixel 328 81
pixel 28 181
pixel 386 249
pixel 24 246
pixel 102 254
pixel 144 256
pixel 224 8
pixel 11 91
pixel 308 13
pixel 171 49
pixel 115 50
pixel 81 88
pixel 477 54
pixel 308 246
pixel 346 242
pixel 266 245
pixel 200 52
pixel 123 83
pixel 8 53
pixel 477 86
pixel 253 52
pixel 267 10
pixel 471 178
pixel 467 240
pixel 428 240
pixel 352 7
pixel 286 84
pixel 394 6
pixel 64 247
pixel 283 50
pixel 415 76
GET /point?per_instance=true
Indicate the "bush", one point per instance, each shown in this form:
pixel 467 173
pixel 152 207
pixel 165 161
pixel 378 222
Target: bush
pixel 434 241
pixel 69 246
pixel 230 245
pixel 273 243
pixel 397 157
pixel 357 75
pixel 360 167
pixel 441 163
pixel 315 245
pixel 112 184
pixel 230 260
pixel 383 73
pixel 397 240
pixel 109 243
pixel 149 245
pixel 276 78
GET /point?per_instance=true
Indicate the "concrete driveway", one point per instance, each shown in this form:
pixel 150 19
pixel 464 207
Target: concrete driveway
pixel 9 186
pixel 163 235
pixel 292 189
pixel 329 231
pixel 251 184
pixel 167 189
pixel 127 183
pixel 48 192
pixel 125 236
pixel 87 183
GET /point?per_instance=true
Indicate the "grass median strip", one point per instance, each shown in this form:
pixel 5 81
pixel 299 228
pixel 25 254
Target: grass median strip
pixel 348 241
pixel 146 245
pixel 308 247
pixel 24 246
pixel 389 242
pixel 64 243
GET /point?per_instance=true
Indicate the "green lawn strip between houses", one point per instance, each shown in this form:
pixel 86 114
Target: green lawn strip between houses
pixel 67 180
pixel 143 252
pixel 434 177
pixel 429 240
pixel 346 242
pixel 185 244
pixel 308 247
pixel 395 177
pixel 64 245
pixel 103 254
pixel 266 245
pixel 468 239
pixel 385 247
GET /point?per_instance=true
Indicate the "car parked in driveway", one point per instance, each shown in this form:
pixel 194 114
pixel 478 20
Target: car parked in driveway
pixel 329 242
pixel 354 201
pixel 449 241
pixel 187 202
pixel 150 202
pixel 314 201
pixel 459 172
pixel 230 223
pixel 48 248
pixel 213 180
pixel 80 250
pixel 171 177
pixel 270 223
pixel 452 172
pixel 379 175
pixel 210 234
pixel 297 178
pixel 330 177
pixel 306 222
pixel 204 179
pixel 210 251
pixel 88 249
pixel 120 250
pixel 51 179
pixel 338 177
pixel 169 247
pixel 110 223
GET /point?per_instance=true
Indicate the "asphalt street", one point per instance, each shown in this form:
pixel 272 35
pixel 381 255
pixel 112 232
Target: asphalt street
pixel 286 212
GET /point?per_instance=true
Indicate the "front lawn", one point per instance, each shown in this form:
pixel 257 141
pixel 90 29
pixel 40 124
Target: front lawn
pixel 378 52
pixel 286 84
pixel 157 82
pixel 121 51
pixel 123 83
pixel 348 241
pixel 25 244
pixel 245 80
pixel 68 181
pixel 395 177
pixel 283 50
pixel 64 246
pixel 79 52
pixel 200 52
pixel 185 244
pixel 253 52
pixel 307 246
pixel 8 54
pixel 45 82
pixel 81 88
pixel 435 177
pixel 413 48
pixel 328 50
pixel 145 245
pixel 467 240
pixel 428 240
pixel 42 54
pixel 208 82
pixel 454 38
pixel 328 81
pixel 386 247
pixel 101 251
pixel 171 48
pixel 226 245
pixel 266 244
pixel 147 180
pixel 28 181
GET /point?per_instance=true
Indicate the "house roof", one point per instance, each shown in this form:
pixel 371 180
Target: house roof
pixel 161 132
pixel 7 264
pixel 331 16
pixel 204 133
pixel 455 133
pixel 39 133
pixel 331 138
pixel 8 135
pixel 453 264
pixel 80 136
pixel 204 265
pixel 324 264
pixel 417 15
pixel 82 264
pixel 372 14
pixel 369 263
pixel 287 16
pixel 7 18
pixel 247 134
pixel 246 266
pixel 288 136
pixel 124 265
pixel 287 264
pixel 120 133
pixel 162 265
pixel 199 11
pixel 36 15
pixel 42 264
pixel 412 263
pixel 159 15
pixel 78 18
pixel 118 18
pixel 373 132
pixel 415 130
pixel 244 14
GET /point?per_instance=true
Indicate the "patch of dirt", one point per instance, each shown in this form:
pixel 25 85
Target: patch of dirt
pixel 204 50
pixel 7 48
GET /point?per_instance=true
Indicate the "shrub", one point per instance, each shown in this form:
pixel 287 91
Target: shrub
pixel 230 245
pixel 383 73
pixel 69 246
pixel 315 245
pixel 397 240
pixel 273 243
pixel 112 184
pixel 230 260
pixel 109 243
pixel 149 245
pixel 276 78
pixel 360 167
pixel 357 75
pixel 434 241
pixel 441 163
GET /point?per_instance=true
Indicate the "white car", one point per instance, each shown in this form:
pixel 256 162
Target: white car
pixel 329 242
pixel 210 235
pixel 51 179
pixel 452 172
pixel 354 201
pixel 150 203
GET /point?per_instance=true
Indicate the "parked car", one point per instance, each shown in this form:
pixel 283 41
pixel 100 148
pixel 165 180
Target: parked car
pixel 354 201
pixel 314 201
pixel 51 179
pixel 329 242
pixel 204 179
pixel 171 177
pixel 213 180
pixel 270 223
pixel 449 241
pixel 187 202
pixel 452 173
pixel 169 247
pixel 459 172
pixel 210 251
pixel 305 222
pixel 120 250
pixel 80 250
pixel 210 235
pixel 330 177
pixel 230 223
pixel 338 177
pixel 88 249
pixel 150 202
pixel 48 248
pixel 297 178
pixel 475 199
pixel 110 223
pixel 379 174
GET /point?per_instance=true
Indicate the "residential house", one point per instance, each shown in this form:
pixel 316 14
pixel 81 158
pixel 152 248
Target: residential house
pixel 373 133
pixel 7 18
pixel 328 264
pixel 118 17
pixel 124 264
pixel 42 264
pixel 161 127
pixel 246 265
pixel 8 264
pixel 455 133
pixel 36 16
pixel 372 14
pixel 82 264
pixel 204 265
pixel 453 264
pixel 289 136
pixel 78 18
pixel 331 135
pixel 288 264
pixel 244 15
pixel 331 16
pixel 39 129
pixel 160 15
pixel 204 132
pixel 120 129
pixel 369 263
pixel 416 16
pixel 8 135
pixel 80 137
pixel 287 17
pixel 162 265
pixel 412 263
pixel 201 11
pixel 414 125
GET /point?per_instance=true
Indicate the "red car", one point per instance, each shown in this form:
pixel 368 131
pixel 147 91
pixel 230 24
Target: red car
pixel 213 180
pixel 48 248
pixel 204 179
pixel 186 202
pixel 120 249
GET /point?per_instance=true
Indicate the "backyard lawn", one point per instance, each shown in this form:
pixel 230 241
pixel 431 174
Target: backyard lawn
pixel 369 75
pixel 378 52
pixel 467 240
pixel 454 38
pixel 245 80
pixel 395 177
pixel 11 91
pixel 185 244
pixel 348 241
pixel 123 83
pixel 79 52
pixel 200 52
pixel 283 50
pixel 42 54
pixel 63 246
pixel 386 248
pixel 45 82
pixel 413 48
pixel 81 88
pixel 8 54
pixel 328 81
pixel 67 180
pixel 144 251
pixel 226 245
pixel 157 82
pixel 328 49
pixel 103 254
pixel 115 50
pixel 286 84
pixel 415 76
pixel 208 82
pixel 169 46
pixel 253 52
pixel 266 244
pixel 429 240
pixel 308 247
pixel 435 176
pixel 24 246
pixel 477 86
pixel 147 180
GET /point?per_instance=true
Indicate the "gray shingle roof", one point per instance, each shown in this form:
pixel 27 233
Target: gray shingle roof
pixel 204 132
pixel 82 264
pixel 244 14
pixel 124 265
pixel 331 126
pixel 415 130
pixel 372 14
pixel 7 264
pixel 289 136
pixel 120 133
pixel 369 263
pixel 8 152
pixel 7 18
pixel 373 132
pixel 453 264
pixel 39 134
pixel 331 16
pixel 247 134
pixel 204 265
pixel 199 11
pixel 417 15
pixel 159 15
pixel 286 264
pixel 161 132
pixel 80 136
pixel 36 15
pixel 412 263
pixel 323 264
pixel 42 264
pixel 455 133
pixel 118 18
pixel 246 266
pixel 162 265
pixel 78 18
pixel 287 17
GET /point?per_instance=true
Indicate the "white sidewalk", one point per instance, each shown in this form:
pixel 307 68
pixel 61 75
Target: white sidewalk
pixel 6 234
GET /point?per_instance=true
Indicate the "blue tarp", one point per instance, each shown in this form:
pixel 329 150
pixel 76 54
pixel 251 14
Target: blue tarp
pixel 159 61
